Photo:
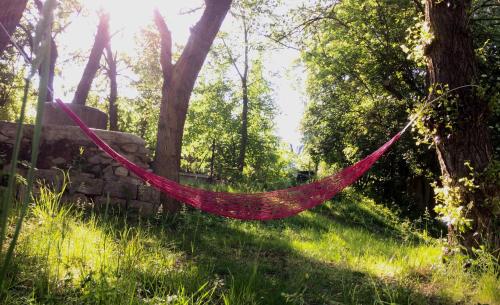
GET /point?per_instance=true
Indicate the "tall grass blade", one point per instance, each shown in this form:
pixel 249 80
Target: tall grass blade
pixel 47 18
pixel 8 195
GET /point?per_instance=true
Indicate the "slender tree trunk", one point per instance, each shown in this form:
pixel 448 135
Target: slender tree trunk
pixel 11 12
pixel 93 64
pixel 451 64
pixel 113 94
pixel 244 127
pixel 178 83
pixel 212 160
pixel 143 124
pixel 245 100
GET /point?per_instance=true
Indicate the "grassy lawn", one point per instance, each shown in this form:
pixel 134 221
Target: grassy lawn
pixel 349 251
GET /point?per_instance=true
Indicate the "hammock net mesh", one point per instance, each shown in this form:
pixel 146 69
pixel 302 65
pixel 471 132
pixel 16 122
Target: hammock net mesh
pixel 257 206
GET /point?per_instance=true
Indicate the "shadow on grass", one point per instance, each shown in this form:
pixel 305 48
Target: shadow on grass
pixel 248 263
pixel 266 269
pixel 347 212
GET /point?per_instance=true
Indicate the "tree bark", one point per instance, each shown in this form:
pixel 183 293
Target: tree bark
pixel 451 64
pixel 11 12
pixel 93 64
pixel 178 83
pixel 113 93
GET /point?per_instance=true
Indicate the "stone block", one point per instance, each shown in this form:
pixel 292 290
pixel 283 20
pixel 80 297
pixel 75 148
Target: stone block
pixel 95 159
pixel 120 190
pixel 94 118
pixel 86 185
pixel 144 151
pixel 121 172
pixel 130 148
pixel 79 173
pixel 51 177
pixel 119 138
pixel 101 201
pixel 132 157
pixel 35 191
pixel 96 170
pixel 143 208
pixel 8 129
pixel 108 173
pixel 131 180
pixel 105 159
pixel 58 161
pixel 76 199
pixel 142 164
pixel 149 194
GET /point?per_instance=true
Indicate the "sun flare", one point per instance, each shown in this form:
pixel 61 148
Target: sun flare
pixel 128 17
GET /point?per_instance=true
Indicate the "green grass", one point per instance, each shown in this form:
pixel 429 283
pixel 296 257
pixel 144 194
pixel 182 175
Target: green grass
pixel 350 251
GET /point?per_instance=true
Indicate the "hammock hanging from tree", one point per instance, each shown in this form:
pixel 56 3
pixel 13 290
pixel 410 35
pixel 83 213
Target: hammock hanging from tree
pixel 258 206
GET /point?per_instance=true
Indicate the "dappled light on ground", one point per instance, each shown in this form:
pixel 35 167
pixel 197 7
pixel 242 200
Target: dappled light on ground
pixel 68 256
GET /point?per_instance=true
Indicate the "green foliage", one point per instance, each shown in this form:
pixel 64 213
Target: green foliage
pixel 12 63
pixel 456 282
pixel 361 87
pixel 11 83
pixel 12 74
pixel 266 163
pixel 212 131
pixel 140 115
pixel 445 115
pixel 450 206
pixel 486 42
pixel 213 122
pixel 418 36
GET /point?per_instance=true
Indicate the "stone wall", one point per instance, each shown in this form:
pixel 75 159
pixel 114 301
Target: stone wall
pixel 93 175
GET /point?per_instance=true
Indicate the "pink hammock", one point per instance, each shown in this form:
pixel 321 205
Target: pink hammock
pixel 259 206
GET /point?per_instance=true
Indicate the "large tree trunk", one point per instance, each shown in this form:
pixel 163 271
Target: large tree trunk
pixel 451 64
pixel 113 94
pixel 11 12
pixel 93 64
pixel 178 83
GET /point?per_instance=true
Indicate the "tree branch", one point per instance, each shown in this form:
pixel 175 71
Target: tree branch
pixel 100 41
pixel 10 15
pixel 166 46
pixel 191 11
pixel 200 41
pixel 231 58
